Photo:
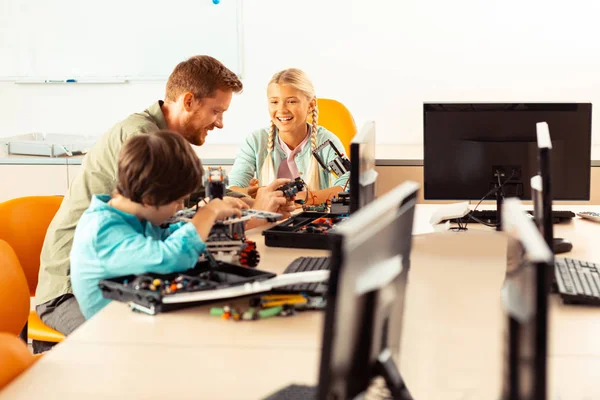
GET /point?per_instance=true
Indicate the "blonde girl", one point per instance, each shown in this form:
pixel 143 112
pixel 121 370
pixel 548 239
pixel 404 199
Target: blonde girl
pixel 284 150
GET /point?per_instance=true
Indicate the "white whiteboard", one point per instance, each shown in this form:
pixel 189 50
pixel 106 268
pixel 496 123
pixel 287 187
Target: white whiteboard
pixel 130 39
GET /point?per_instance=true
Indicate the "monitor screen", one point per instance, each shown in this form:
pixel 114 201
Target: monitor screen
pixel 370 260
pixel 470 148
pixel 363 176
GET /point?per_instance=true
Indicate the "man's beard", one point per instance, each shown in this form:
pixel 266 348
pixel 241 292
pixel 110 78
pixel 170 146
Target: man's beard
pixel 193 135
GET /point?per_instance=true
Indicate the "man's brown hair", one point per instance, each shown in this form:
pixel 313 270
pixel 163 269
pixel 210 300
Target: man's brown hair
pixel 157 168
pixel 202 76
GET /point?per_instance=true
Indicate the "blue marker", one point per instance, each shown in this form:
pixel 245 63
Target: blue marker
pixel 216 1
pixel 60 81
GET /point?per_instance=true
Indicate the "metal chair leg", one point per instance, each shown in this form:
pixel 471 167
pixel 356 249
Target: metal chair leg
pixel 24 333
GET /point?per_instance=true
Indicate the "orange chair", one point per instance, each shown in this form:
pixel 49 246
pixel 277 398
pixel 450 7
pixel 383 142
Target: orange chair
pixel 14 293
pixel 336 118
pixel 14 308
pixel 15 357
pixel 24 224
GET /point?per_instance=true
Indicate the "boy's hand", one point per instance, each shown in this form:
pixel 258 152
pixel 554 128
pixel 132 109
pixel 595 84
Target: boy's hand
pixel 224 209
pixel 235 202
pixel 215 210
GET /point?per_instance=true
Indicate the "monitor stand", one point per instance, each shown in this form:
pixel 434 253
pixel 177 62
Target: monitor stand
pixel 499 197
pixel 386 368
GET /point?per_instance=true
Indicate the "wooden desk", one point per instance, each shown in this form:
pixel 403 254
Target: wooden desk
pixel 451 344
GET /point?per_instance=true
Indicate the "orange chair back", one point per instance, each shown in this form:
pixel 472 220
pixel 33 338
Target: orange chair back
pixel 24 222
pixel 336 118
pixel 15 357
pixel 14 292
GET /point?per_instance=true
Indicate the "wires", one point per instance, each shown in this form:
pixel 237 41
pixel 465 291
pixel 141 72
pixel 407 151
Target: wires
pixel 492 191
pixel 460 226
pixel 346 185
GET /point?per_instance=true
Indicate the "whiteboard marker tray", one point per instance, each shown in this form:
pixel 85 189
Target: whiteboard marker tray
pixel 47 144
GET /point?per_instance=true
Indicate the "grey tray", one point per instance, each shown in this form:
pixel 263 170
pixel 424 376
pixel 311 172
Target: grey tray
pixel 47 145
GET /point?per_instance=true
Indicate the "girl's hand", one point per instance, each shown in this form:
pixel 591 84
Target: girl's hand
pixel 253 187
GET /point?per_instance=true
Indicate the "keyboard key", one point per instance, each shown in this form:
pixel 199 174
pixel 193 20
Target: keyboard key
pixel 592 283
pixel 596 279
pixel 575 278
pixel 584 282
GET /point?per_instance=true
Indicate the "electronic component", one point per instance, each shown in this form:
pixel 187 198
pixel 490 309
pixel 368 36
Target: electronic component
pixel 316 208
pixel 292 188
pixel 338 166
pixel 340 204
pixel 215 182
pixel 320 225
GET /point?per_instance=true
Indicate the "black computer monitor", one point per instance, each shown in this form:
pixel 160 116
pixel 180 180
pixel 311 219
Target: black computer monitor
pixel 363 176
pixel 470 148
pixel 542 195
pixel 370 261
pixel 541 192
pixel 525 299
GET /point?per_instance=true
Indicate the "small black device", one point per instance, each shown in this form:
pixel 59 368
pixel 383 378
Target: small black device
pixel 338 166
pixel 560 245
pixel 215 182
pixel 370 261
pixel 292 188
pixel 340 204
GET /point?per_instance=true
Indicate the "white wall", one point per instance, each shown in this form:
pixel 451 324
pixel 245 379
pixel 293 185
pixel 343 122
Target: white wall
pixel 381 58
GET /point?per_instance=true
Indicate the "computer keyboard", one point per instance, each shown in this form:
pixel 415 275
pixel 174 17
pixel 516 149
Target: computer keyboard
pixel 303 264
pixel 489 216
pixel 294 392
pixel 578 281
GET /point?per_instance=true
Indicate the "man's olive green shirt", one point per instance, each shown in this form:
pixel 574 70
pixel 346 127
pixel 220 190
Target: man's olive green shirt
pixel 97 176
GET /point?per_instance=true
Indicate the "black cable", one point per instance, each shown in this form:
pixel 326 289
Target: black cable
pixel 492 191
pixel 460 226
pixel 491 225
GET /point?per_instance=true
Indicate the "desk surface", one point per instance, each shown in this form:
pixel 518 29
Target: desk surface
pixel 451 343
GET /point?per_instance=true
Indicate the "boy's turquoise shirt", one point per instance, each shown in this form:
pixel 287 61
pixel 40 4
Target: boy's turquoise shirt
pixel 253 153
pixel 109 243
